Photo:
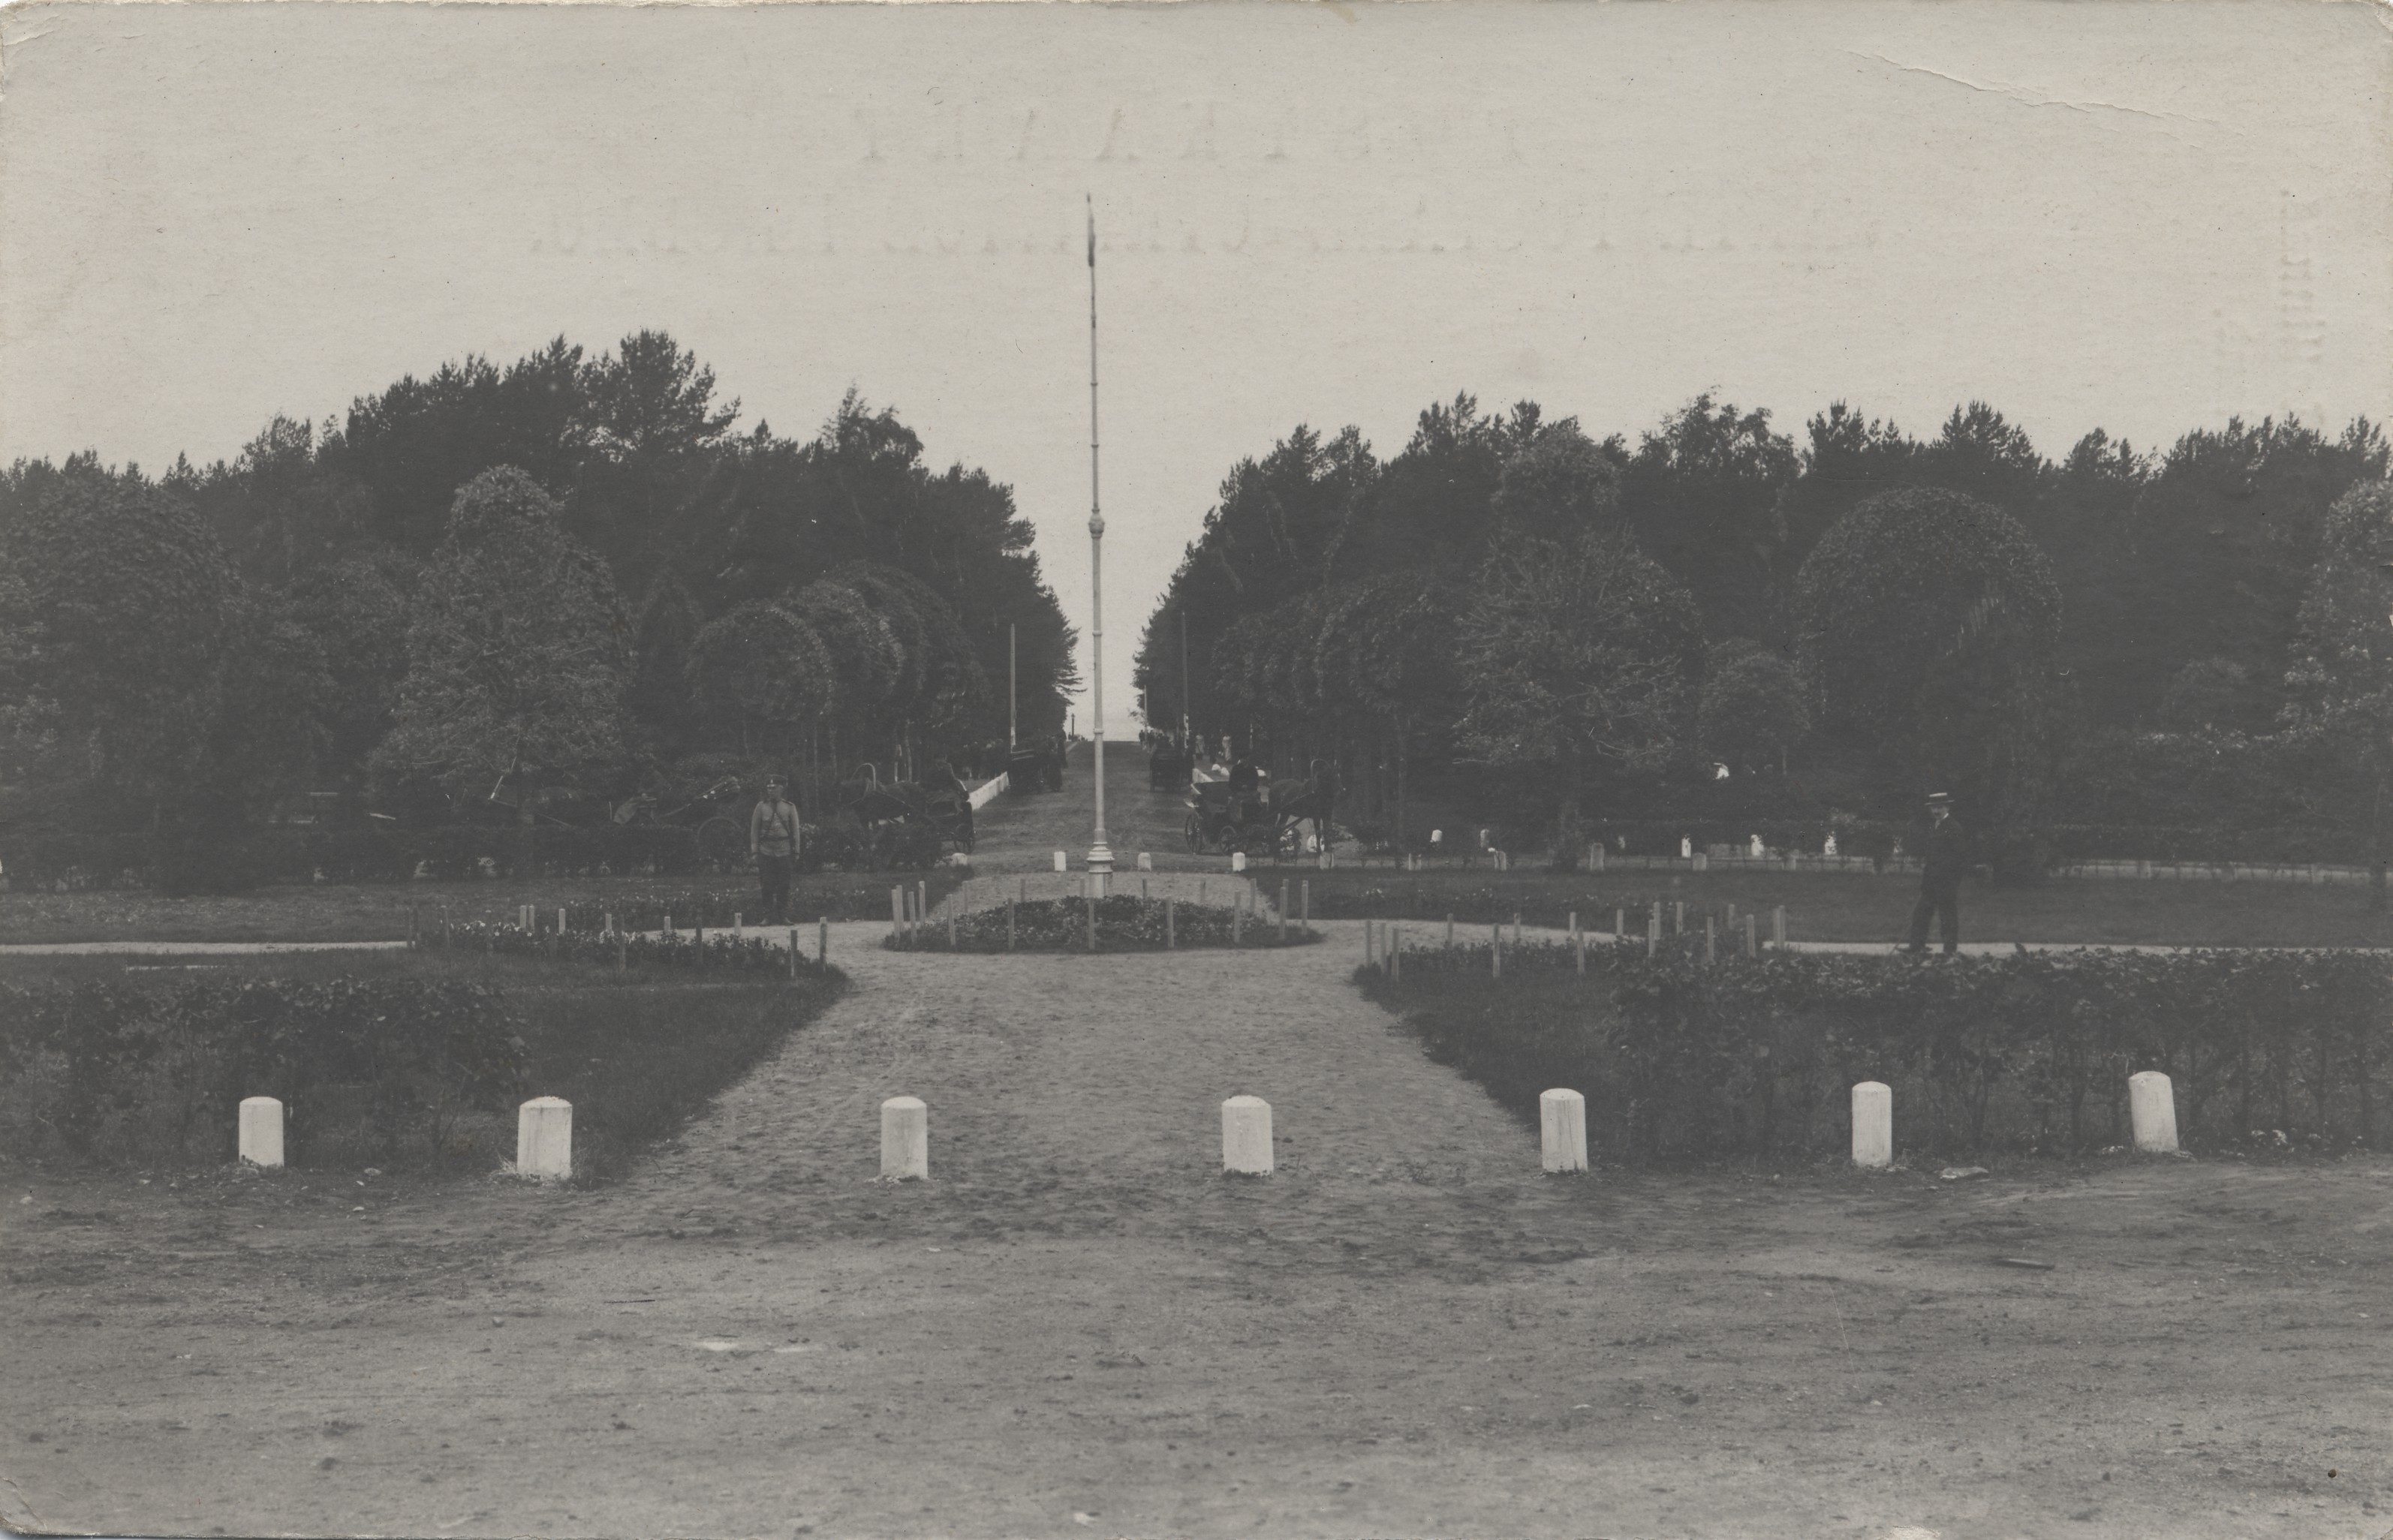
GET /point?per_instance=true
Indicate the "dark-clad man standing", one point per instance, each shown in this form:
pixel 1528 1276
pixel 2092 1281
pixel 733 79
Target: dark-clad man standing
pixel 773 840
pixel 1946 858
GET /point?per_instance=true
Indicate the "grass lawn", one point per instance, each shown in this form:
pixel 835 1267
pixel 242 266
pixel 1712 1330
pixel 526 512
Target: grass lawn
pixel 638 1054
pixel 379 911
pixel 1850 906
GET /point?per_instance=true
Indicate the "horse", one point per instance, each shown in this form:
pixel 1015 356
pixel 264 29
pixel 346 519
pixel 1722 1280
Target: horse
pixel 1297 802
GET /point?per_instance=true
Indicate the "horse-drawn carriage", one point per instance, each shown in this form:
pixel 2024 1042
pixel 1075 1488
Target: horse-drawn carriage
pixel 1271 823
pixel 893 824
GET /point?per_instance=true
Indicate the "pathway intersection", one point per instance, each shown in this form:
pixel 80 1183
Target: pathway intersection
pixel 1078 1325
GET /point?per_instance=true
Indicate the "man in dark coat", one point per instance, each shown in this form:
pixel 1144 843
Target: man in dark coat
pixel 1246 786
pixel 1946 858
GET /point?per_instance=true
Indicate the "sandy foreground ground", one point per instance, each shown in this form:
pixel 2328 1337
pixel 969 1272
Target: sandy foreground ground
pixel 1079 1327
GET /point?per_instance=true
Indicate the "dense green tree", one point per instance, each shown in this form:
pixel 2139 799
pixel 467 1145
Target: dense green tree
pixel 1926 626
pixel 1702 494
pixel 1574 656
pixel 2218 550
pixel 356 609
pixel 518 649
pixel 763 669
pixel 121 611
pixel 2340 688
pixel 1752 711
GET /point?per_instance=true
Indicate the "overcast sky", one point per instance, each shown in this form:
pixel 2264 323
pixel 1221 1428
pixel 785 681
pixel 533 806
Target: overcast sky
pixel 2139 217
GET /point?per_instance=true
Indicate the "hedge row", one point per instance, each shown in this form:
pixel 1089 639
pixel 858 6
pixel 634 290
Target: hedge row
pixel 1123 925
pixel 157 1072
pixel 861 896
pixel 695 947
pixel 1756 1057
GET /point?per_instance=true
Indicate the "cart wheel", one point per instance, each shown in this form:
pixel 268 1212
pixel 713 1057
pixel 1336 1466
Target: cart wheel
pixel 720 843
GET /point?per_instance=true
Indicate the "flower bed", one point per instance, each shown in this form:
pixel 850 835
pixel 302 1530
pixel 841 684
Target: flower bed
pixel 1679 1059
pixel 1122 924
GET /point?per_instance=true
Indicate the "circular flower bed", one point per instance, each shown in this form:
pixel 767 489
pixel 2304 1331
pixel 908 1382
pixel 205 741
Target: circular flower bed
pixel 1119 925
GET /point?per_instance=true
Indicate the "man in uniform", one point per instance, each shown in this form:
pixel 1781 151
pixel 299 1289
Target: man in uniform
pixel 773 840
pixel 1946 858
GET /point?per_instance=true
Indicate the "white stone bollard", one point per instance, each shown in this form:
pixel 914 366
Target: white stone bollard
pixel 1063 862
pixel 261 1131
pixel 1872 1126
pixel 1562 1123
pixel 1146 861
pixel 905 1139
pixel 1246 1136
pixel 2152 1108
pixel 544 1138
pixel 1237 860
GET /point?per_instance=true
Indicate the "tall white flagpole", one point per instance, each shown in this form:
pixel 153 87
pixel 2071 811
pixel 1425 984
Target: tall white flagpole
pixel 1101 858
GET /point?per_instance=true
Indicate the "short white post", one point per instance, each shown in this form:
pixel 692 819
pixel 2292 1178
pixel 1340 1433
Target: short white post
pixel 1562 1123
pixel 1146 861
pixel 560 922
pixel 1063 862
pixel 261 1131
pixel 544 1138
pixel 2151 1106
pixel 1237 860
pixel 1873 1125
pixel 905 1139
pixel 1246 1136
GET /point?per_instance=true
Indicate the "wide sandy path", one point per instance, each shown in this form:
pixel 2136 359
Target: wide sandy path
pixel 1079 1325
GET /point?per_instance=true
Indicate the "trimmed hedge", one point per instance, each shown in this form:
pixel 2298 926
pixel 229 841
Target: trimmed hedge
pixel 1124 924
pixel 157 1072
pixel 1756 1057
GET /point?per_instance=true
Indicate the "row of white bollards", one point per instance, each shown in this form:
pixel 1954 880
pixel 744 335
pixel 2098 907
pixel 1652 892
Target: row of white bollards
pixel 2152 1114
pixel 545 1130
pixel 544 1135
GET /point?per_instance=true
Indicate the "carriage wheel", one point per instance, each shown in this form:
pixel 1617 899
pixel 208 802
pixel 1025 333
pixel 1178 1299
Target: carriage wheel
pixel 720 843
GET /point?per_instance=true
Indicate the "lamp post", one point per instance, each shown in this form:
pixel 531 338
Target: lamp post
pixel 1101 857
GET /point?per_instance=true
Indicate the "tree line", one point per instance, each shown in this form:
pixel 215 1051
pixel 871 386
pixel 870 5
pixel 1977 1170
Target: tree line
pixel 571 569
pixel 1725 620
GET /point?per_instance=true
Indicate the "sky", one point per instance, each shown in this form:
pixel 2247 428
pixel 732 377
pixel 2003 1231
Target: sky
pixel 2144 218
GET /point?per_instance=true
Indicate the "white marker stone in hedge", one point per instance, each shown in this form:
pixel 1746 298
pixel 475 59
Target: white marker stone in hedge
pixel 905 1139
pixel 1146 861
pixel 1237 860
pixel 1872 1126
pixel 544 1138
pixel 1063 862
pixel 1562 1123
pixel 1246 1136
pixel 261 1132
pixel 2152 1107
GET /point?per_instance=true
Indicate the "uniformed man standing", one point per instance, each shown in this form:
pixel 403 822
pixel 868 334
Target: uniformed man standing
pixel 1946 858
pixel 773 840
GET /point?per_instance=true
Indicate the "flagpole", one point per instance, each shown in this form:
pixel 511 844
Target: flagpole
pixel 1101 858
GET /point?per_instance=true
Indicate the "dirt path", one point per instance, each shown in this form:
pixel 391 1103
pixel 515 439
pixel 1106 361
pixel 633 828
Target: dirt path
pixel 1078 1326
